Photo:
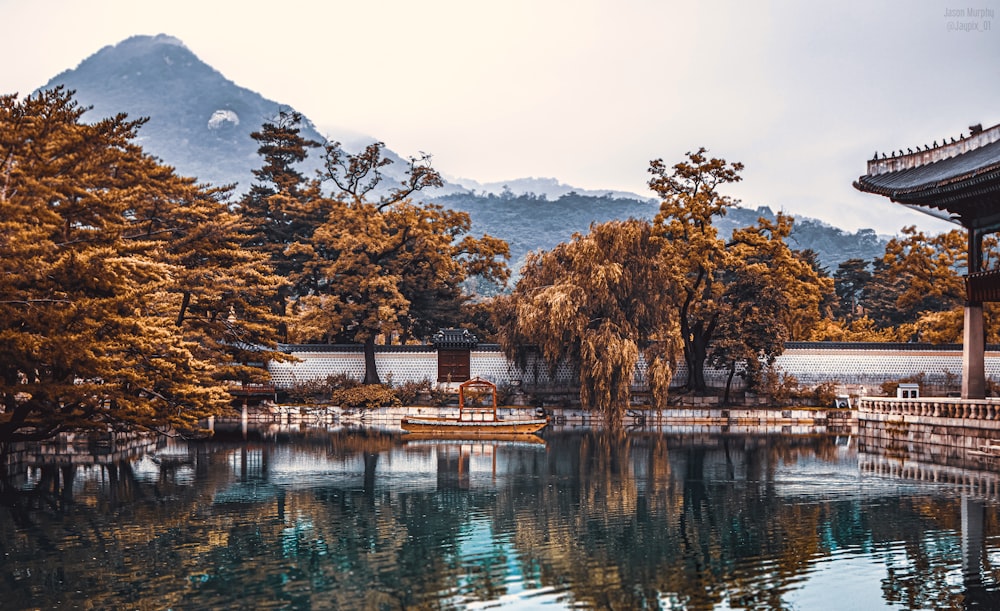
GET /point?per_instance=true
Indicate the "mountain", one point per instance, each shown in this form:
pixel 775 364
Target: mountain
pixel 551 188
pixel 200 123
pixel 530 222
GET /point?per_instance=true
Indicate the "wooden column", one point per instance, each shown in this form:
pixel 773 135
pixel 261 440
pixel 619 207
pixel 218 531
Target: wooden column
pixel 973 333
pixel 973 353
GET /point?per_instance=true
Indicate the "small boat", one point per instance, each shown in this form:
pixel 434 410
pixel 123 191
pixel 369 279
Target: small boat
pixel 477 416
pixel 456 438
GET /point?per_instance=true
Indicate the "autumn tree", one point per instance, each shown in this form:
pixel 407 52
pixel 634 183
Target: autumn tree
pixel 283 207
pixel 851 280
pixel 719 294
pixel 91 299
pixel 221 294
pixel 382 265
pixel 690 200
pixel 597 303
pixel 746 337
pixel 769 294
pixel 918 275
pixel 926 271
pixel 917 287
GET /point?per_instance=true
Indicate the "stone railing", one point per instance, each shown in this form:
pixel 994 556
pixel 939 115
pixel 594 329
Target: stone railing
pixel 967 409
pixel 974 482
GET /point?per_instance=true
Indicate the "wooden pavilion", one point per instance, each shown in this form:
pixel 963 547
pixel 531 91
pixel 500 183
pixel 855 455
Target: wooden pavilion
pixel 958 181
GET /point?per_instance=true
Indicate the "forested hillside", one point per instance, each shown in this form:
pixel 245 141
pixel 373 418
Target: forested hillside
pixel 200 123
pixel 531 222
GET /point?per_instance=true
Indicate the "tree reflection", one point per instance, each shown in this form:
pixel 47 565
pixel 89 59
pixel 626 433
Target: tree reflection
pixel 359 521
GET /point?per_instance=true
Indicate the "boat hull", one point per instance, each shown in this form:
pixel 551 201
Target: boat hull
pixel 469 428
pixel 503 440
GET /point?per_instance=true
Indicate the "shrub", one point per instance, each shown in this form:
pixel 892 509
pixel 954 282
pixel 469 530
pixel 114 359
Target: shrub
pixel 342 380
pixel 408 392
pixel 825 393
pixel 505 393
pixel 992 388
pixel 441 397
pixel 778 386
pixel 365 397
pixel 478 397
pixel 319 391
pixel 889 388
pixel 309 391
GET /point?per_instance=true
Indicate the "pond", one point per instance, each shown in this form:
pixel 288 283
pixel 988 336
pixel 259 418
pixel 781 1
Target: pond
pixel 365 519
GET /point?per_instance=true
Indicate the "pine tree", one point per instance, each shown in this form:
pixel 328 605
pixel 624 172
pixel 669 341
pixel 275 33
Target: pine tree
pixel 283 208
pixel 103 255
pixel 221 293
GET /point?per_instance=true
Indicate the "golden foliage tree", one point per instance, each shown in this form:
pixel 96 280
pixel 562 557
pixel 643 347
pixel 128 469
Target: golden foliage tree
pixel 721 301
pixel 915 292
pixel 221 293
pixel 596 303
pixel 382 265
pixel 763 250
pixel 98 245
pixel 283 208
pixel 770 294
pixel 690 200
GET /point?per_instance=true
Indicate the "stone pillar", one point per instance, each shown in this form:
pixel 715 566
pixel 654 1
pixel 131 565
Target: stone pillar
pixel 973 353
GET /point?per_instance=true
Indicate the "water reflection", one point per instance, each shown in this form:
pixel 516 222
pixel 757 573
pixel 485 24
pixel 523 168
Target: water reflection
pixel 366 520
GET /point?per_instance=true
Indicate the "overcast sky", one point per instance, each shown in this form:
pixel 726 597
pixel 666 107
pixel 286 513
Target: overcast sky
pixel 585 91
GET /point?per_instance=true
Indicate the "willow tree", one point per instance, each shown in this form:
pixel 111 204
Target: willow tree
pixel 103 254
pixel 597 303
pixel 384 266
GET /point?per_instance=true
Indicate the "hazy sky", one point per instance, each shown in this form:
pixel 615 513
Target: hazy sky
pixel 586 91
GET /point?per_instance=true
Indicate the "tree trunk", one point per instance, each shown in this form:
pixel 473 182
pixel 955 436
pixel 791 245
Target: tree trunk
pixel 694 356
pixel 371 373
pixel 729 383
pixel 371 462
pixel 697 338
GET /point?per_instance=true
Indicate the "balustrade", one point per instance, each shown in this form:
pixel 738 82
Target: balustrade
pixel 932 408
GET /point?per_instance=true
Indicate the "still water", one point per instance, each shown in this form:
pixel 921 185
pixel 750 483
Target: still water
pixel 365 520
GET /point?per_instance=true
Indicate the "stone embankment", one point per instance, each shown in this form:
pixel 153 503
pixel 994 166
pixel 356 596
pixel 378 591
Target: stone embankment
pixel 928 425
pixel 799 420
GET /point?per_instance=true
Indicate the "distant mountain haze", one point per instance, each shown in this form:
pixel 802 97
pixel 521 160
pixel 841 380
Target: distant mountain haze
pixel 200 123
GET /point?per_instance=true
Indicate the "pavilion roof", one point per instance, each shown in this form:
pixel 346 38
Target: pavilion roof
pixel 454 339
pixel 962 178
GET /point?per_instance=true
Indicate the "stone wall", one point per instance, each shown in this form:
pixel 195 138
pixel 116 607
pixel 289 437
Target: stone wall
pixel 851 365
pixel 951 431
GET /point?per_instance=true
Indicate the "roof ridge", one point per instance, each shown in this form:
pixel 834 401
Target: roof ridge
pixel 964 144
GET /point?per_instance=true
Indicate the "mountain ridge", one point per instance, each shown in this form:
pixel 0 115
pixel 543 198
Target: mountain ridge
pixel 160 78
pixel 200 123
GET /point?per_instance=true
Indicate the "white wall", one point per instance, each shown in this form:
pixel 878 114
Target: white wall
pixel 810 366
